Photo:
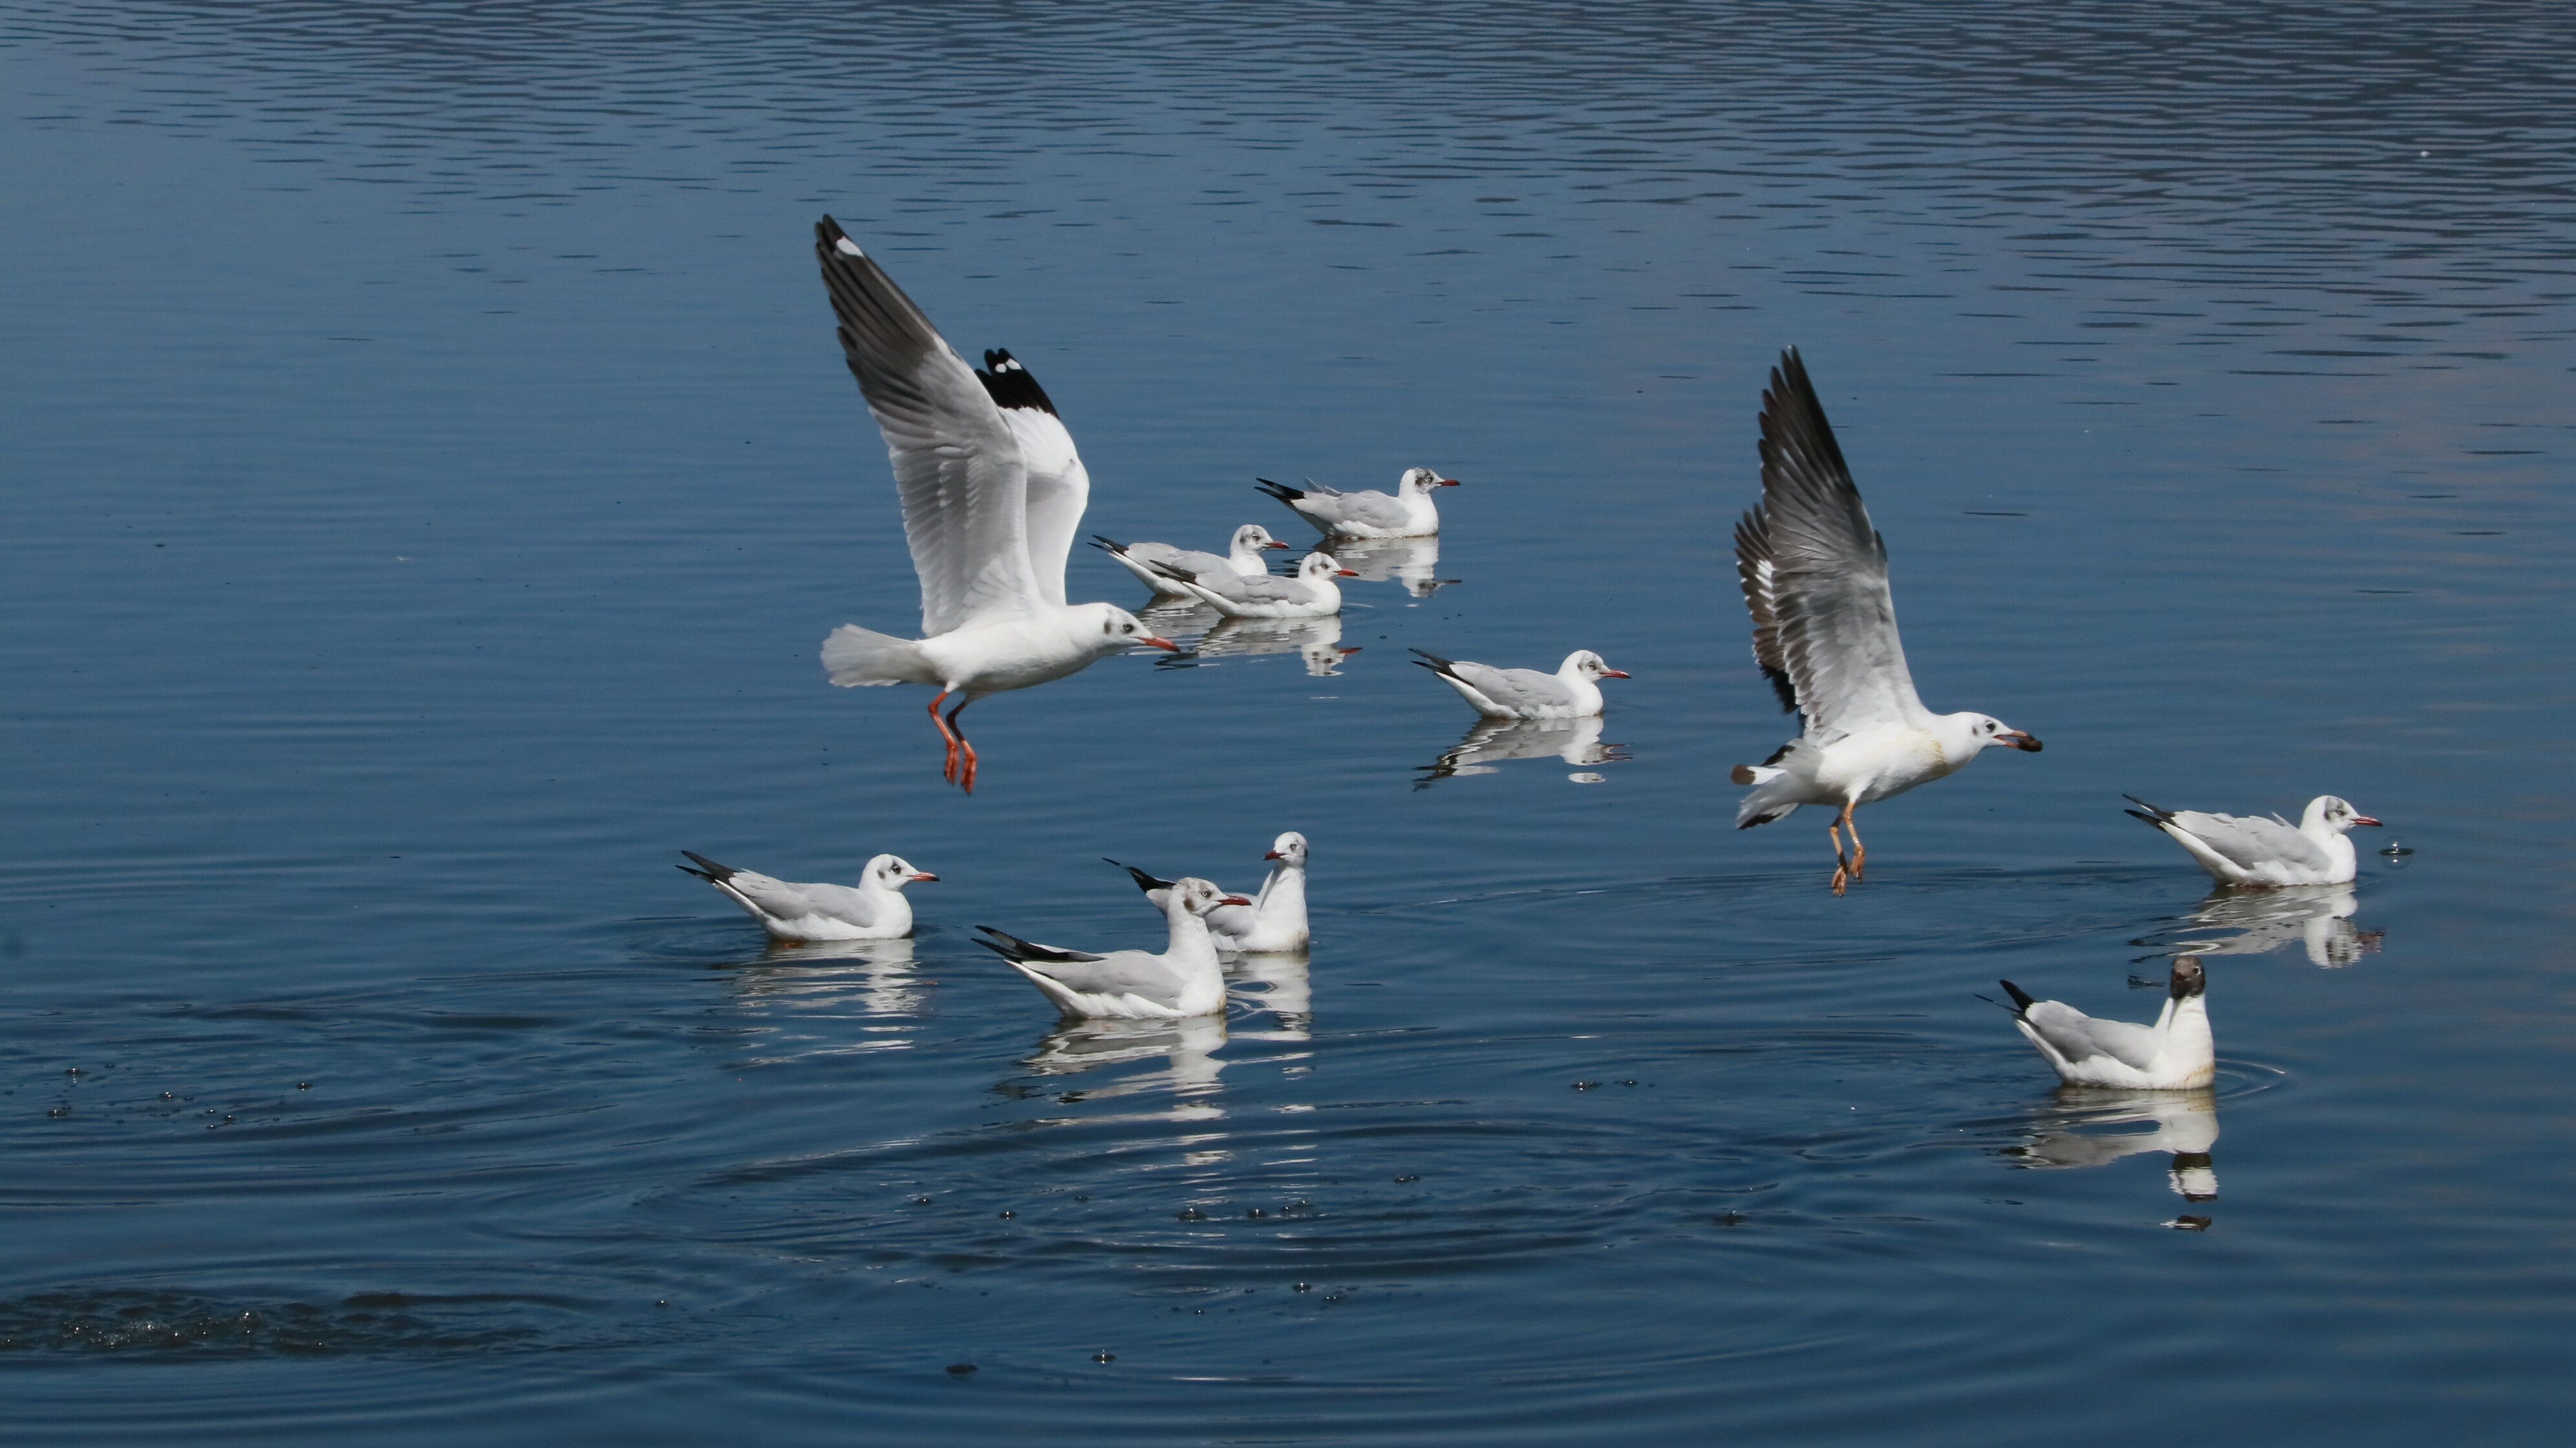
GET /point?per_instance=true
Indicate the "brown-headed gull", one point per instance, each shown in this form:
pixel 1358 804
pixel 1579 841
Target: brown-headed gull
pixel 1311 594
pixel 1243 557
pixel 1184 980
pixel 1275 921
pixel 2259 851
pixel 2174 1054
pixel 876 910
pixel 1406 513
pixel 992 492
pixel 1824 632
pixel 1569 693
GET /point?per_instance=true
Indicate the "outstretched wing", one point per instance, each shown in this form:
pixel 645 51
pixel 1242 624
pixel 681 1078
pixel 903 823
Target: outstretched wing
pixel 1815 574
pixel 958 464
pixel 1059 488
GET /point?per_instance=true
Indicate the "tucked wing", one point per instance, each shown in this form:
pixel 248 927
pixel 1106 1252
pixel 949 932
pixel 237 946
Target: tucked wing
pixel 1122 972
pixel 957 462
pixel 1372 510
pixel 2077 1036
pixel 2252 843
pixel 1525 690
pixel 1815 573
pixel 1059 488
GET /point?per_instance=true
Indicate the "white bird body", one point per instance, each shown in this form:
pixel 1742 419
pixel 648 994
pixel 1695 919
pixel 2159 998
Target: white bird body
pixel 1186 979
pixel 993 490
pixel 875 910
pixel 2177 1053
pixel 1814 573
pixel 1242 558
pixel 1274 922
pixel 1408 512
pixel 1569 693
pixel 1311 594
pixel 2259 851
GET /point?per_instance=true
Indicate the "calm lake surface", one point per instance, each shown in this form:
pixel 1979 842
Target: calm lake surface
pixel 430 474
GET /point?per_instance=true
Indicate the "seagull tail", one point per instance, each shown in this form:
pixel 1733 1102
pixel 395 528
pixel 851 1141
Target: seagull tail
pixel 2152 814
pixel 709 870
pixel 2022 1000
pixel 1281 491
pixel 857 657
pixel 1776 784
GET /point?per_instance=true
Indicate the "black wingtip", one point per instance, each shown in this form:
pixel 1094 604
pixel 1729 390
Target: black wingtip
pixel 714 871
pixel 1433 662
pixel 1281 491
pixel 1009 384
pixel 1144 882
pixel 1107 544
pixel 2022 1000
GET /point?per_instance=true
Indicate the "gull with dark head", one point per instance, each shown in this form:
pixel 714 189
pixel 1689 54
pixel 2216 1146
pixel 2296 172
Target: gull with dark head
pixel 1408 512
pixel 1824 633
pixel 992 493
pixel 2259 851
pixel 2175 1054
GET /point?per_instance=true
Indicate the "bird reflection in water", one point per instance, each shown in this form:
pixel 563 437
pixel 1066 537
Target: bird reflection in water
pixel 1411 562
pixel 2318 917
pixel 2186 1125
pixel 1188 1045
pixel 1286 992
pixel 1319 640
pixel 791 990
pixel 1575 741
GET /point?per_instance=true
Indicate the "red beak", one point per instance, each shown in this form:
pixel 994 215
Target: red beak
pixel 1447 483
pixel 2363 820
pixel 1274 543
pixel 1234 900
pixel 923 875
pixel 1158 641
pixel 1346 572
pixel 1614 673
pixel 1275 855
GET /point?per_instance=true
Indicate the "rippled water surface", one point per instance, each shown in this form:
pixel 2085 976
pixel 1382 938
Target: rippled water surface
pixel 430 473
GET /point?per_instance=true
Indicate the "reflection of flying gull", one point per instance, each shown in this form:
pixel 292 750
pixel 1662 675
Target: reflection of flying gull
pixel 2259 851
pixel 1275 921
pixel 1408 513
pixel 876 910
pixel 1243 557
pixel 2176 1053
pixel 1572 692
pixel 1132 984
pixel 992 492
pixel 1824 631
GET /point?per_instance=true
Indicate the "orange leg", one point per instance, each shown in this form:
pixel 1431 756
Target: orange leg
pixel 949 770
pixel 1860 852
pixel 1845 871
pixel 966 777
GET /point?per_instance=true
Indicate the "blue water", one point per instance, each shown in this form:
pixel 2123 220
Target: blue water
pixel 430 474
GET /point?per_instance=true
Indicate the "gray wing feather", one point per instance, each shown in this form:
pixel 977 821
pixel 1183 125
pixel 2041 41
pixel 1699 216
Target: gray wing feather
pixel 2251 842
pixel 1515 688
pixel 1059 488
pixel 1376 510
pixel 2075 1035
pixel 1122 972
pixel 1816 572
pixel 956 462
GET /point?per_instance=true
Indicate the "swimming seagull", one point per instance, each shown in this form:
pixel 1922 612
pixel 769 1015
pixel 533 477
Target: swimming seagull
pixel 1184 980
pixel 2174 1054
pixel 1569 693
pixel 1311 594
pixel 1824 632
pixel 2258 851
pixel 876 910
pixel 1409 513
pixel 1274 922
pixel 1242 557
pixel 992 492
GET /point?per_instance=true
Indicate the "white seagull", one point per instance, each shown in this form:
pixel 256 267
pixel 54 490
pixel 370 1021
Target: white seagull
pixel 1824 632
pixel 1184 980
pixel 876 910
pixel 1243 558
pixel 1311 594
pixel 992 492
pixel 1569 693
pixel 2259 851
pixel 1275 921
pixel 1407 513
pixel 2174 1054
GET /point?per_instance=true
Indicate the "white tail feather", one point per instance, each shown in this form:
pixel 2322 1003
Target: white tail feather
pixel 857 657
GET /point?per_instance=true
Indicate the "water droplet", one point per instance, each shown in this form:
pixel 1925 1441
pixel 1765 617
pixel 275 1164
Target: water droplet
pixel 921 1201
pixel 1585 1085
pixel 1104 1357
pixel 1079 1197
pixel 166 1096
pixel 58 1111
pixel 1409 1177
pixel 2396 846
pixel 1305 1287
pixel 1006 1216
pixel 303 1085
pixel 1256 1212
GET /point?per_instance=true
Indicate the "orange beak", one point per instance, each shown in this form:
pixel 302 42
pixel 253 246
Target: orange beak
pixel 923 875
pixel 1346 573
pixel 1234 900
pixel 1158 641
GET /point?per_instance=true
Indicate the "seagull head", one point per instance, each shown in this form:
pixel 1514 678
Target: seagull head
pixel 1118 628
pixel 1591 666
pixel 1253 535
pixel 1985 729
pixel 894 872
pixel 1290 847
pixel 1421 480
pixel 1320 564
pixel 2187 978
pixel 2335 814
pixel 1198 896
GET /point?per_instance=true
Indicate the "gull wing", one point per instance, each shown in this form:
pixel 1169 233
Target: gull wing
pixel 957 462
pixel 2251 843
pixel 1815 574
pixel 2077 1036
pixel 1514 688
pixel 1059 487
pixel 1372 509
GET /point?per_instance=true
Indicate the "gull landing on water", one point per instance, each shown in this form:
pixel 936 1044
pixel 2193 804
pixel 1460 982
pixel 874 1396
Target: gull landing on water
pixel 2174 1054
pixel 992 493
pixel 1407 513
pixel 2258 851
pixel 1824 632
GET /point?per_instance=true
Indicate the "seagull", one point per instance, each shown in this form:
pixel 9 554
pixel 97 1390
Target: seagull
pixel 1408 513
pixel 1569 693
pixel 876 910
pixel 1311 594
pixel 992 492
pixel 2259 851
pixel 1140 558
pixel 1275 921
pixel 2174 1054
pixel 1824 633
pixel 1132 984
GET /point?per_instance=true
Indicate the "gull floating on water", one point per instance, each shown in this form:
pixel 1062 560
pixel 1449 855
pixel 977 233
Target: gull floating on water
pixel 2176 1053
pixel 876 910
pixel 1243 557
pixel 1569 693
pixel 1311 594
pixel 1132 984
pixel 992 492
pixel 1824 632
pixel 1274 921
pixel 2260 851
pixel 1407 513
